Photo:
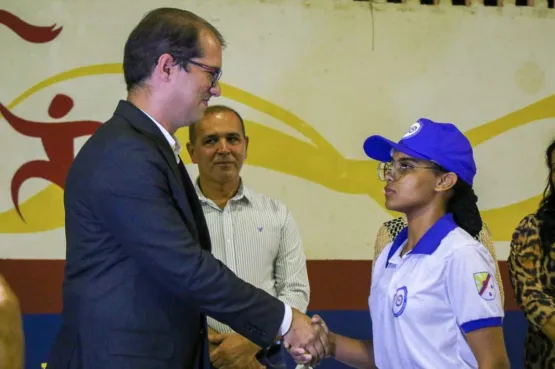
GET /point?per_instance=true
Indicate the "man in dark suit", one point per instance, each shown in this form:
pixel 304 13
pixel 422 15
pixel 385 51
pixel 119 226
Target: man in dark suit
pixel 139 275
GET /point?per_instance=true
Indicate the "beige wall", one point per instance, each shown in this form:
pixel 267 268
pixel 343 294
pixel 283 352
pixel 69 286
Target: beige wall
pixel 313 79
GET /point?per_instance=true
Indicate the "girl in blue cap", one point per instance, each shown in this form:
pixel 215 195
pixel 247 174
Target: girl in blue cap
pixel 434 300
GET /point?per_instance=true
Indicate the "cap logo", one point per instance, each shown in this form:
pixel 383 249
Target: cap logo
pixel 414 129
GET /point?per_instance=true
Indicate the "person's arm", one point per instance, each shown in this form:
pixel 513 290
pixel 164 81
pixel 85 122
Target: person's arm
pixel 11 329
pixel 525 264
pixel 488 347
pixel 473 294
pixel 353 352
pixel 291 276
pixel 134 202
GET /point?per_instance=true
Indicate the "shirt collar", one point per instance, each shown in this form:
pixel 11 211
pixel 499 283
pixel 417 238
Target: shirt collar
pixel 242 193
pixel 431 239
pixel 172 140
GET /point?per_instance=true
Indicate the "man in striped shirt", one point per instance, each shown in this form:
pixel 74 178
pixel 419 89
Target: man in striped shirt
pixel 253 235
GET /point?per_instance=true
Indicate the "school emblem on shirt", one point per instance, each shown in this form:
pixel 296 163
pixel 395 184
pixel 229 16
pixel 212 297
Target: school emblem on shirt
pixel 485 285
pixel 399 301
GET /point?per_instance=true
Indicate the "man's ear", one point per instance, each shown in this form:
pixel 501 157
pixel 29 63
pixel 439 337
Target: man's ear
pixel 191 151
pixel 446 182
pixel 165 67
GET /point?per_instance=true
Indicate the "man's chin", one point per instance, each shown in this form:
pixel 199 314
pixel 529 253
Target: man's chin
pixel 195 116
pixel 225 176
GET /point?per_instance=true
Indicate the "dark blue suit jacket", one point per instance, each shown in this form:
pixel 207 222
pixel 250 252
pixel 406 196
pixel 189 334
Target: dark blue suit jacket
pixel 139 274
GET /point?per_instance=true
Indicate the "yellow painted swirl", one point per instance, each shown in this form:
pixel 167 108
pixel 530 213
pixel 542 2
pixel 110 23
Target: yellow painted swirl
pixel 316 161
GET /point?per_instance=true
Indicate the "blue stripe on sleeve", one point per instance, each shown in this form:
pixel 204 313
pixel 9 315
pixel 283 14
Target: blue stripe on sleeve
pixel 474 325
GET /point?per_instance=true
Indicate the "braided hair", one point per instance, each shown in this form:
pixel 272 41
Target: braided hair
pixel 464 206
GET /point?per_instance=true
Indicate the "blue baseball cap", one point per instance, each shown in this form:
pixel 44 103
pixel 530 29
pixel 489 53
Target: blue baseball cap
pixel 442 143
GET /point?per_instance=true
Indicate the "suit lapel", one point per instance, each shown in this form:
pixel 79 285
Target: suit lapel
pixel 196 207
pixel 147 127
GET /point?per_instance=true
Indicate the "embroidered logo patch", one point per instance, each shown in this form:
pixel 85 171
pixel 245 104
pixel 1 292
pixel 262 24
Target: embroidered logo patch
pixel 399 301
pixel 485 285
pixel 414 129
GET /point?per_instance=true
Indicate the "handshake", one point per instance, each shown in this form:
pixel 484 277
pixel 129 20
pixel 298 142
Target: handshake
pixel 308 340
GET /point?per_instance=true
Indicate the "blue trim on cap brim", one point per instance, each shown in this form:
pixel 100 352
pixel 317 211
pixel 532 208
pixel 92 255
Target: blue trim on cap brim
pixel 379 148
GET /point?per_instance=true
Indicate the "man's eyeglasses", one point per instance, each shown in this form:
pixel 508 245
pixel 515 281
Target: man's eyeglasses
pixel 216 73
pixel 396 169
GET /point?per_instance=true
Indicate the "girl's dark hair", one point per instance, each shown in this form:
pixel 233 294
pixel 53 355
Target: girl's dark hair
pixel 546 211
pixel 464 207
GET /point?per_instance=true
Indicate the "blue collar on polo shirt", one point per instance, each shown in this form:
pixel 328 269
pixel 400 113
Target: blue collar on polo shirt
pixel 431 239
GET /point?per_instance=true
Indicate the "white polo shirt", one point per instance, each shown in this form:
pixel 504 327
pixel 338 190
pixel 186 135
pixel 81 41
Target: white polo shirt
pixel 423 304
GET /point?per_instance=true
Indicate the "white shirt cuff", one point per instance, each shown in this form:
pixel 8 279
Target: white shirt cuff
pixel 287 320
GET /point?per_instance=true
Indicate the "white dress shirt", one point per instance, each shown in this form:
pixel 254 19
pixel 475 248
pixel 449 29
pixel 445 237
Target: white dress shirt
pixel 257 238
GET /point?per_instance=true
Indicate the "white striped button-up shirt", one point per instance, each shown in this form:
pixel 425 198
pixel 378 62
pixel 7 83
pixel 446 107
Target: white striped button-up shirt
pixel 257 238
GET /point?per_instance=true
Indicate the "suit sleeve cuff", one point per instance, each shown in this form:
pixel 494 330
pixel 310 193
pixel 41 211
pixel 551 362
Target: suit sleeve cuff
pixel 287 320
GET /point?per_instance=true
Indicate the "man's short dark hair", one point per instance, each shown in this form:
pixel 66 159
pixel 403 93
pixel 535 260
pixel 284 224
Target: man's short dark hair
pixel 213 109
pixel 163 30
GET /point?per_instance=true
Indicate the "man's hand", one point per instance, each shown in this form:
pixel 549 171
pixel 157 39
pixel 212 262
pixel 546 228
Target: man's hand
pixel 213 336
pixel 308 335
pixel 233 351
pixel 300 355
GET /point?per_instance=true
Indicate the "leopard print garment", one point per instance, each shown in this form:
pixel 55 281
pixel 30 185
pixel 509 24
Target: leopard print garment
pixel 532 277
pixel 390 229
